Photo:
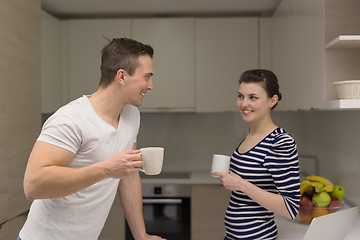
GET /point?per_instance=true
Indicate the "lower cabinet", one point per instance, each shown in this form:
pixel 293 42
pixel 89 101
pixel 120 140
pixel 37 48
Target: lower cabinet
pixel 115 224
pixel 208 206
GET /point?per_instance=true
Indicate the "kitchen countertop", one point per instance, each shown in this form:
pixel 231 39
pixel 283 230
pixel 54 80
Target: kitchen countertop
pixel 191 178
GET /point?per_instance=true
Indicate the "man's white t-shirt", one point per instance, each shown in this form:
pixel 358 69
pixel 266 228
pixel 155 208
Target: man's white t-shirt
pixel 82 215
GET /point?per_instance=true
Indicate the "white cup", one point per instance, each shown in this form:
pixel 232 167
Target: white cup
pixel 220 163
pixel 152 158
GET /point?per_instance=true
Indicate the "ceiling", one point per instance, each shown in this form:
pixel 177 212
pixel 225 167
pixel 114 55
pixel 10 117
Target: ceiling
pixel 65 9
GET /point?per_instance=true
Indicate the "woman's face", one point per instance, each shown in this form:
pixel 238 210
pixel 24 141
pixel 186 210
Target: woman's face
pixel 253 102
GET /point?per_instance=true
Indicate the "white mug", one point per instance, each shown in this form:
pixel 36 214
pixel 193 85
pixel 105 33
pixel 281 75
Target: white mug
pixel 220 163
pixel 152 158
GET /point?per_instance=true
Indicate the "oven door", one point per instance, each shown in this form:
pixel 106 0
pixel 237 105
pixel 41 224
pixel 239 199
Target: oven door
pixel 166 217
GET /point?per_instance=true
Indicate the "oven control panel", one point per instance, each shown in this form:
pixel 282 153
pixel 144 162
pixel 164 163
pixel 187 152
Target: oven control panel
pixel 157 190
pixel 166 190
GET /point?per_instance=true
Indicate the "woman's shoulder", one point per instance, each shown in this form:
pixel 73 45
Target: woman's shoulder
pixel 280 132
pixel 281 137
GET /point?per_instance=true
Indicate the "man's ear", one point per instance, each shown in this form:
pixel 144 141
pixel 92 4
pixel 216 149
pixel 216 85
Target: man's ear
pixel 120 76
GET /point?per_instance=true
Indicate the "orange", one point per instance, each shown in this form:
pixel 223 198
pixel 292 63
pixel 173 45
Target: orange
pixel 306 218
pixel 318 211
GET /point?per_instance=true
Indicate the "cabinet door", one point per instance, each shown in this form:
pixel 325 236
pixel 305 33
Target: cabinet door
pixel 208 206
pixel 173 63
pixel 225 47
pixel 85 44
pixel 298 53
pixel 115 223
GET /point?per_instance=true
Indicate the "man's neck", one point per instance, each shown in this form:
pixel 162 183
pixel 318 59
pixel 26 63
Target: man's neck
pixel 107 105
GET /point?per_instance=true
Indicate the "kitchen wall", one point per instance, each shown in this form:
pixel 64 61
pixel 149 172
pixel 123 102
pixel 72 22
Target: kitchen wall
pixel 20 106
pixel 334 137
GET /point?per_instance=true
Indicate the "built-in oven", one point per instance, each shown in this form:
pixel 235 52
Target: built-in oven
pixel 166 207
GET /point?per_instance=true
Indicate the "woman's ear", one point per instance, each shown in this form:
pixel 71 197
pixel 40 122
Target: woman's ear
pixel 274 100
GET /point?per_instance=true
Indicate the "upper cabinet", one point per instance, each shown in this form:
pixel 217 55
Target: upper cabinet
pixel 298 53
pixel 197 61
pixel 173 62
pixel 224 48
pixel 86 38
pixel 316 43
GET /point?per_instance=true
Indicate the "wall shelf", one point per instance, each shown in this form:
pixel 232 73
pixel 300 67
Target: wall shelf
pixel 341 62
pixel 343 104
pixel 344 41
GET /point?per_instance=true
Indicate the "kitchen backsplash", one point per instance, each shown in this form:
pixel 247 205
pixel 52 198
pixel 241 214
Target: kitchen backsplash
pixel 190 139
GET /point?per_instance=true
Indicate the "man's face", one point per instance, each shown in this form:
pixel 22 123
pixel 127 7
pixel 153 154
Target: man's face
pixel 140 82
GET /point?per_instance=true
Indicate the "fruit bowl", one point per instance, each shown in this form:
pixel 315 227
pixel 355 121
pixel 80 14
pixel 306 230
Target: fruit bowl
pixel 318 197
pixel 308 212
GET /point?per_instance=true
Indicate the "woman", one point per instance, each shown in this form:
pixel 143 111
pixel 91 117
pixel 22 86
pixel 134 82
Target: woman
pixel 264 168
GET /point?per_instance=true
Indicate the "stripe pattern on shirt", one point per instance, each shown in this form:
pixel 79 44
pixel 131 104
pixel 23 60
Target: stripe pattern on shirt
pixel 272 165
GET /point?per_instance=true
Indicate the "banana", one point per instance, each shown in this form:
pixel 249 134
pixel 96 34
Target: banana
pixel 328 185
pixel 318 186
pixel 305 186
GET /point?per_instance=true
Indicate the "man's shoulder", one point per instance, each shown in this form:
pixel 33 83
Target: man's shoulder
pixel 71 111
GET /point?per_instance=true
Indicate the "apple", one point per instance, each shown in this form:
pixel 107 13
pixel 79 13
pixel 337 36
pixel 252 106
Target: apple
pixel 306 205
pixel 338 192
pixel 321 199
pixel 335 204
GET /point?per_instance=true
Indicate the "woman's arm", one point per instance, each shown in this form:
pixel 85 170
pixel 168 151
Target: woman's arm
pixel 271 201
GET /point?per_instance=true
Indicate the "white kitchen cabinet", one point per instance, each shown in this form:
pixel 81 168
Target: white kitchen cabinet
pixel 298 53
pixel 85 42
pixel 208 206
pixel 197 61
pixel 224 48
pixel 173 62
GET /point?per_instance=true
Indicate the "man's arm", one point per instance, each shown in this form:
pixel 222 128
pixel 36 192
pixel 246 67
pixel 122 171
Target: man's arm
pixel 47 174
pixel 130 194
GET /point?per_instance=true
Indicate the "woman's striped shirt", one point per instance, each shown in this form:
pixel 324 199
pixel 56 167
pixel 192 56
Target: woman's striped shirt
pixel 273 166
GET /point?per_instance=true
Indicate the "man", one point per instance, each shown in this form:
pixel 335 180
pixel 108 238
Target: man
pixel 86 152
